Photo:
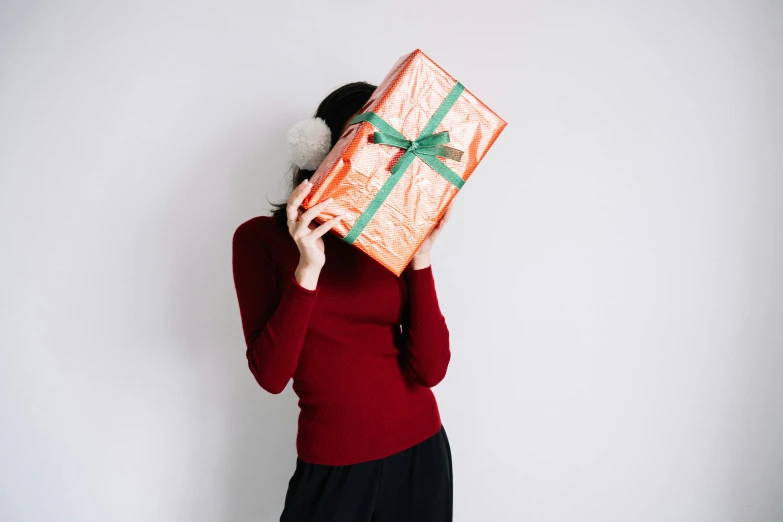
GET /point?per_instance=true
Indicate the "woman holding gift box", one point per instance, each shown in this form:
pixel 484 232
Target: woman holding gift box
pixel 362 346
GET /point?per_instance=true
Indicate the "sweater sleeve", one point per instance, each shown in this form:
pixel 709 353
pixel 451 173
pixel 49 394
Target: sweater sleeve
pixel 274 320
pixel 424 330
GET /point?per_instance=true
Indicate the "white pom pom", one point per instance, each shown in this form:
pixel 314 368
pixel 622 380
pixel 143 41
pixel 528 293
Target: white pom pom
pixel 309 142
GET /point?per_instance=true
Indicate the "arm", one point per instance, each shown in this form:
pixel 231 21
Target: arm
pixel 424 330
pixel 274 329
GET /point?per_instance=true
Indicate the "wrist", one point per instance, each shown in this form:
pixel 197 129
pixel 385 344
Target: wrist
pixel 307 276
pixel 421 261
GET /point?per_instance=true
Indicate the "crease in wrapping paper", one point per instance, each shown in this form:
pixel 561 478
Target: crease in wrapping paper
pixel 356 168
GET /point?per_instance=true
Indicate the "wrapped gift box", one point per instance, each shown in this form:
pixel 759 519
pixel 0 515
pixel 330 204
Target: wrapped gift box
pixel 395 170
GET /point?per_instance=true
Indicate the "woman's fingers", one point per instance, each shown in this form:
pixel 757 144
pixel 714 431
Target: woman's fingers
pixel 313 211
pixel 300 222
pixel 446 215
pixel 326 226
pixel 296 198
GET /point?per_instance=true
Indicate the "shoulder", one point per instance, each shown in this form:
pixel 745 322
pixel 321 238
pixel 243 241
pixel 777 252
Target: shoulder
pixel 259 227
pixel 262 233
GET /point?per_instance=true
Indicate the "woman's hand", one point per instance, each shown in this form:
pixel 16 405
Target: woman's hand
pixel 308 235
pixel 421 259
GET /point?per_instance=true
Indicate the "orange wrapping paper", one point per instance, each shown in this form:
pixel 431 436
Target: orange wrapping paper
pixel 356 168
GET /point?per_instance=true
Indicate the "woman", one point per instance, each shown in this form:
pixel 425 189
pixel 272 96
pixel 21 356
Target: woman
pixel 363 347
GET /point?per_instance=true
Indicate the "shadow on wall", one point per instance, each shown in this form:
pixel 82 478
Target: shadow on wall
pixel 242 439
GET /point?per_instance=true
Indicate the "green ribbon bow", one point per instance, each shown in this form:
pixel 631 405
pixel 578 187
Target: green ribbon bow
pixel 430 146
pixel 427 147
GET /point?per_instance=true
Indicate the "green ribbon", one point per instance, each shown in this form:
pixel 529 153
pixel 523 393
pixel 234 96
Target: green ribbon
pixel 427 147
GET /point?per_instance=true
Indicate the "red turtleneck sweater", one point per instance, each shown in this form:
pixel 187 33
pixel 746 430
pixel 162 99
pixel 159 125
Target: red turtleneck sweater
pixel 363 348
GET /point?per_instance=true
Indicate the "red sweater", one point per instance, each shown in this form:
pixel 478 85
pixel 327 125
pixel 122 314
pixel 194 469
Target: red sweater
pixel 363 348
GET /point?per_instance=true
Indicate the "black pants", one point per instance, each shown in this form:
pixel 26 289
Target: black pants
pixel 414 485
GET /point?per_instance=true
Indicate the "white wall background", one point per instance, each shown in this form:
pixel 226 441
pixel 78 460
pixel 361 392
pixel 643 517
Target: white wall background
pixel 612 274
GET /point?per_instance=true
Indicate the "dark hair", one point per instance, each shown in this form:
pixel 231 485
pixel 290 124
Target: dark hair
pixel 335 109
